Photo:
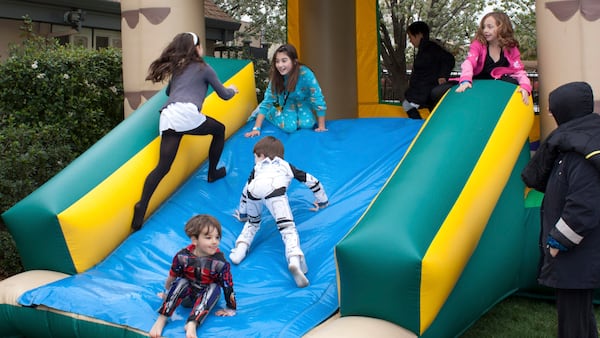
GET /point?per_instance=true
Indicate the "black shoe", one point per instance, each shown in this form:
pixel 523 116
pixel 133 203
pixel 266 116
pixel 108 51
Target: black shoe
pixel 217 174
pixel 138 217
pixel 414 114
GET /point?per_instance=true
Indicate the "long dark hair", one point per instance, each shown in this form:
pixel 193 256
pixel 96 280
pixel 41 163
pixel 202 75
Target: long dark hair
pixel 277 83
pixel 180 52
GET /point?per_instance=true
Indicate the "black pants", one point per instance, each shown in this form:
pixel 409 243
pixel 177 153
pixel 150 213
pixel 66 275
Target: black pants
pixel 576 313
pixel 169 144
pixel 438 91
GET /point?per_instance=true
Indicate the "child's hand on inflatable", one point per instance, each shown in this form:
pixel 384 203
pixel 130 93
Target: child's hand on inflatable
pixel 252 133
pixel 525 95
pixel 463 86
pixel 319 205
pixel 225 312
pixel 240 217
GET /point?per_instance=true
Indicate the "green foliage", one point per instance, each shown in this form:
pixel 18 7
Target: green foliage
pixel 452 23
pixel 55 102
pixel 261 68
pixel 31 155
pixel 267 24
pixel 522 15
pixel 10 262
pixel 267 17
pixel 78 88
pixel 261 76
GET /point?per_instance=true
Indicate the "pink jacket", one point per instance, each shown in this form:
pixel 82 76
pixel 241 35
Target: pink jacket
pixel 473 65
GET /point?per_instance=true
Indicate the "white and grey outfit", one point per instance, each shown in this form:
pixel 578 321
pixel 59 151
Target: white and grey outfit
pixel 267 185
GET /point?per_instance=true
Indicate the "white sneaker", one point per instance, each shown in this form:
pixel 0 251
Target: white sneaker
pixel 299 277
pixel 238 253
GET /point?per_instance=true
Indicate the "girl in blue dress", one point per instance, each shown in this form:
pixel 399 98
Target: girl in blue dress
pixel 293 96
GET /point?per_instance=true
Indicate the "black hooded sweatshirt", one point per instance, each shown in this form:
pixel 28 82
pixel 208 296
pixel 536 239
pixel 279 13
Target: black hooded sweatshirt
pixel 578 130
pixel 570 211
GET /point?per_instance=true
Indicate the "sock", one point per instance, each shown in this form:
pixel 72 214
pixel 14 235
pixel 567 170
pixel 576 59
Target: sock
pixel 238 253
pixel 299 277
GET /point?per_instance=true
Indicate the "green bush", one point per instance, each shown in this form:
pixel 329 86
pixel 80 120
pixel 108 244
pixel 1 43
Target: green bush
pixel 261 77
pixel 31 155
pixel 78 88
pixel 55 102
pixel 9 258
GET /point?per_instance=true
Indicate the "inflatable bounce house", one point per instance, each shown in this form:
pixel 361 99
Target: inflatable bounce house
pixel 418 209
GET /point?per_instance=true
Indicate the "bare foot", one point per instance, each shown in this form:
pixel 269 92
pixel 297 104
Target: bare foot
pixel 190 329
pixel 158 326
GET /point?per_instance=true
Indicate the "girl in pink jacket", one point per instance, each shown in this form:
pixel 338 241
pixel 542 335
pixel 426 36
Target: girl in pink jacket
pixel 494 54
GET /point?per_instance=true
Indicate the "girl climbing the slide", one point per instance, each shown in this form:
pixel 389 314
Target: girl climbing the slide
pixel 182 61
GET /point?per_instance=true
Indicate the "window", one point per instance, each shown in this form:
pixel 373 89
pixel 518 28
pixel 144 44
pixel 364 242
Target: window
pixel 87 37
pixel 105 38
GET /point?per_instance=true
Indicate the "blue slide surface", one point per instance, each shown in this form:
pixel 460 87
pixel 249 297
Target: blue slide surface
pixel 353 160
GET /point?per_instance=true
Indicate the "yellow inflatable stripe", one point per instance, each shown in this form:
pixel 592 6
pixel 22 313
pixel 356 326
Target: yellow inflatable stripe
pixel 458 236
pixel 98 222
pixel 293 25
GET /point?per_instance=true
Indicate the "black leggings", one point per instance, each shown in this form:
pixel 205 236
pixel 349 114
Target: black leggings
pixel 169 144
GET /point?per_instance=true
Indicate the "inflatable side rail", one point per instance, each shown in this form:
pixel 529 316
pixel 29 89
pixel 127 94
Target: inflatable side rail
pixel 60 226
pixel 405 257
